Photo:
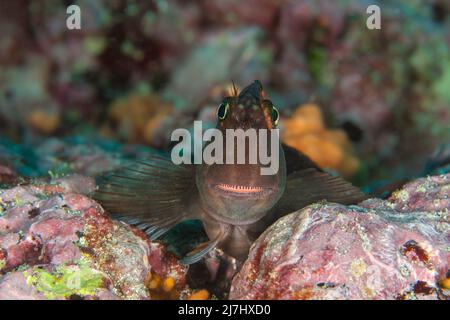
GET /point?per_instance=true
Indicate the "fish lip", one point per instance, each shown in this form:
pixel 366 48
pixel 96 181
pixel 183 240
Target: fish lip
pixel 242 191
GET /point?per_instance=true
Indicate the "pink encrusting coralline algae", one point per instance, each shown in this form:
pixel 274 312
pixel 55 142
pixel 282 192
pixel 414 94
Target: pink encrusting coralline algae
pixel 57 243
pixel 397 248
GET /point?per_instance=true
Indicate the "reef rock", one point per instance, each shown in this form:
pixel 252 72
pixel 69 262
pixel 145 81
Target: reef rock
pixel 397 248
pixel 57 243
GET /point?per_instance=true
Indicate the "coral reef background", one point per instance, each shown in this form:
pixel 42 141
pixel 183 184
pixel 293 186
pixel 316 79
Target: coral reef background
pixel 137 70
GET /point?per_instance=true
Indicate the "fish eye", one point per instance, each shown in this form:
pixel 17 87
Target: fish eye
pixel 275 115
pixel 222 110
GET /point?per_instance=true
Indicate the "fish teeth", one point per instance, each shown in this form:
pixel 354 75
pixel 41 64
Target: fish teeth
pixel 239 188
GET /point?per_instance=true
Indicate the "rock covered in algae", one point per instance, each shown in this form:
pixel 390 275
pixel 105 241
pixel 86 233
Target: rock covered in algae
pixel 393 249
pixel 57 243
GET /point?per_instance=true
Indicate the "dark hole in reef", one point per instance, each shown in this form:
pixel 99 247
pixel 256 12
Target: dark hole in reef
pixel 326 285
pixel 421 287
pixel 184 237
pixel 199 277
pixel 33 213
pixel 354 132
pixel 79 234
pixel 439 12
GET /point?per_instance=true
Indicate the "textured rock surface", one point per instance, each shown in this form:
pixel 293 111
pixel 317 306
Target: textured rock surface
pixel 57 243
pixel 393 249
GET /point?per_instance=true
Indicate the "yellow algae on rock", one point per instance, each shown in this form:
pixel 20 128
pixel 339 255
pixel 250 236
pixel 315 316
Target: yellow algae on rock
pixel 329 148
pixel 358 268
pixel 2 263
pixel 66 281
pixel 402 195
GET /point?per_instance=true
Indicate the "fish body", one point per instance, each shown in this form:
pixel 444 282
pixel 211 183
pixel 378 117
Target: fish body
pixel 234 200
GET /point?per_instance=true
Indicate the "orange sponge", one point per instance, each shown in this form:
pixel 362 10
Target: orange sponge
pixel 137 116
pixel 329 148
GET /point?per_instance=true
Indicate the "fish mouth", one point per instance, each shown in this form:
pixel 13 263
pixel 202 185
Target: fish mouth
pixel 242 190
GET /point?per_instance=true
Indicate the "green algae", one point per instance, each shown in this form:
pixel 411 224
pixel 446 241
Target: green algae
pixel 2 263
pixel 65 281
pixel 2 211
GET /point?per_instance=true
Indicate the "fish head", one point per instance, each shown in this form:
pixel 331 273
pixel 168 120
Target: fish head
pixel 236 191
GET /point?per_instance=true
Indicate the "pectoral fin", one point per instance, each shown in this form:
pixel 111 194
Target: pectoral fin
pixel 203 249
pixel 310 185
pixel 154 194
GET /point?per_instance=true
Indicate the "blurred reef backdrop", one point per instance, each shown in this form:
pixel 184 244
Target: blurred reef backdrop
pixel 371 105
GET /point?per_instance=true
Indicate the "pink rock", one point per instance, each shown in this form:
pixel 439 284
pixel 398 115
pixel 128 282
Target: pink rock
pixel 28 251
pixel 18 194
pixel 9 239
pixel 61 253
pixel 16 219
pixel 78 202
pixel 77 184
pixel 58 226
pixel 371 251
pixel 425 194
pixel 13 286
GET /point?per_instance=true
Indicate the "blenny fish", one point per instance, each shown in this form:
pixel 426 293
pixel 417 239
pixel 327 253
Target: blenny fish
pixel 234 201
